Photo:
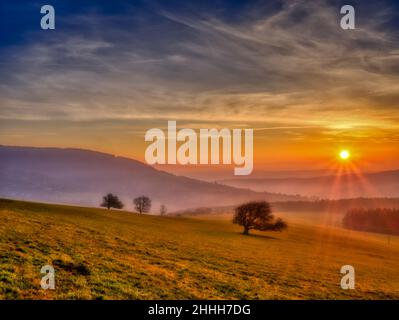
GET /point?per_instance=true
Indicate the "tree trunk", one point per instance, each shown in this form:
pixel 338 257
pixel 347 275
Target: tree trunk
pixel 246 231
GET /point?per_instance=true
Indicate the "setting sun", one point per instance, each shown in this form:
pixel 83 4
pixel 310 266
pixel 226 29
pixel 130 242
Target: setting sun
pixel 344 154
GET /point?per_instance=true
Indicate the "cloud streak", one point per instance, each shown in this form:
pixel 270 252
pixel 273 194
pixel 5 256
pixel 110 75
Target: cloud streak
pixel 292 67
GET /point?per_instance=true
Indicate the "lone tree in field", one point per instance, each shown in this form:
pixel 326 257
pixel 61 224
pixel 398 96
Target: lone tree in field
pixel 142 204
pixel 163 210
pixel 258 216
pixel 111 201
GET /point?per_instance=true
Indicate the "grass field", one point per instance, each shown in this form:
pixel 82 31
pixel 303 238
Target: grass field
pixel 100 254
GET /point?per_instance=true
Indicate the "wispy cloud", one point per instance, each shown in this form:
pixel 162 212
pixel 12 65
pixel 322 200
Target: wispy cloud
pixel 294 67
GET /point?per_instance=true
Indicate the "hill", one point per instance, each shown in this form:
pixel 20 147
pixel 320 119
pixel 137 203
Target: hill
pixel 318 207
pixel 101 254
pixel 82 177
pixel 371 185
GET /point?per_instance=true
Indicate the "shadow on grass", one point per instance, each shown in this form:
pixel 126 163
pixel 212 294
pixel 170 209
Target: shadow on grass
pixel 255 235
pixel 74 268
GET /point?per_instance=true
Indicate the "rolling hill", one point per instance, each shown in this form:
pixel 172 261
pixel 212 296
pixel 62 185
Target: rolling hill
pixel 82 177
pixel 107 254
pixel 372 185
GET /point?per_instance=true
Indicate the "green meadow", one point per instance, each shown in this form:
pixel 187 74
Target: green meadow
pixel 110 254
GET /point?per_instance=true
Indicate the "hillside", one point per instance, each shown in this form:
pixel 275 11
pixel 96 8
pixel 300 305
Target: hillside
pixel 371 185
pixel 318 207
pixel 100 254
pixel 82 177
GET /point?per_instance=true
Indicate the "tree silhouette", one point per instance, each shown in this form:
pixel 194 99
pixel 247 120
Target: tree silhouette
pixel 257 215
pixel 163 210
pixel 111 201
pixel 142 204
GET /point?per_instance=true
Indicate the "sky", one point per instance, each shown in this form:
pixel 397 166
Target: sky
pixel 111 70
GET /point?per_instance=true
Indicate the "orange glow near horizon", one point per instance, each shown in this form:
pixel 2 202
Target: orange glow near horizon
pixel 274 150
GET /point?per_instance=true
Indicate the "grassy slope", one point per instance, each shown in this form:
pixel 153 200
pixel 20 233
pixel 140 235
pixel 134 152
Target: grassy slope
pixel 110 254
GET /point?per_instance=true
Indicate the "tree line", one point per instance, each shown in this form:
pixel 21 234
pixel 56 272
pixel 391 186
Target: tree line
pixel 142 204
pixel 338 205
pixel 380 220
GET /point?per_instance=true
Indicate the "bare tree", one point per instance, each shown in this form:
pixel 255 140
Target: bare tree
pixel 142 204
pixel 163 210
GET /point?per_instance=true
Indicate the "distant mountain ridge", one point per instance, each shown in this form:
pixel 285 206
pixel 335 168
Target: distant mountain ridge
pixel 340 206
pixel 379 184
pixel 77 176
